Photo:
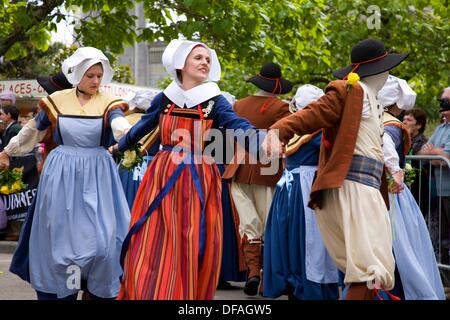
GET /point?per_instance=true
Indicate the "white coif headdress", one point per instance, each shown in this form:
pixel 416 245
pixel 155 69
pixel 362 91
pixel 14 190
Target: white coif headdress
pixel 140 99
pixel 81 60
pixel 397 91
pixel 174 57
pixel 305 94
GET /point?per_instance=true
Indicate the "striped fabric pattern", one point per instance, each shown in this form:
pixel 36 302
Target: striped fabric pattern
pixel 162 261
pixel 365 170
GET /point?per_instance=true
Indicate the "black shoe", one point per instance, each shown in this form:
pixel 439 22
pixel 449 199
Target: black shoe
pixel 225 285
pixel 251 286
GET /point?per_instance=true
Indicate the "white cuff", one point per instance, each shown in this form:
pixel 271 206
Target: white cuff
pixel 120 126
pixel 25 140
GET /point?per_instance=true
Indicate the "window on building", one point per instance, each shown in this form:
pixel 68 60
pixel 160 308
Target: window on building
pixel 156 55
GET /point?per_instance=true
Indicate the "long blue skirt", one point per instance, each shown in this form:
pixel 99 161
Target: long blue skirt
pixel 285 262
pixel 131 179
pixel 230 254
pixel 76 230
pixel 413 250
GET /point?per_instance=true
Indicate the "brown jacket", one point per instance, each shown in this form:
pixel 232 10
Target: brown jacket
pixel 250 109
pixel 339 113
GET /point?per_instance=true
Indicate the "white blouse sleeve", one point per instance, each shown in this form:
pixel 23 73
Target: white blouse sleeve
pixel 120 126
pixel 391 158
pixel 25 140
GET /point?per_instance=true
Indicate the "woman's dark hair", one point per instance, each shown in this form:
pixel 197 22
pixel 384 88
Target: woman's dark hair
pixel 179 75
pixel 98 64
pixel 420 116
pixel 12 110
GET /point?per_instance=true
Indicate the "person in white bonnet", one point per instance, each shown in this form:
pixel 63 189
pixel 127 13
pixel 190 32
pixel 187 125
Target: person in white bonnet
pixel 303 96
pixel 417 276
pixel 81 216
pixel 397 93
pixel 174 247
pixel 395 96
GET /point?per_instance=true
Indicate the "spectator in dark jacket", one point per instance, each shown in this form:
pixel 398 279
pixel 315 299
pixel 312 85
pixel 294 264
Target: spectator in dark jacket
pixel 9 115
pixel 415 120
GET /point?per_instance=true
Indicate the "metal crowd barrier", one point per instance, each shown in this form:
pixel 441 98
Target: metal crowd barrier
pixel 433 210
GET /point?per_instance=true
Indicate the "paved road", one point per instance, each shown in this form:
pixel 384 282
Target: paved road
pixel 11 286
pixel 14 288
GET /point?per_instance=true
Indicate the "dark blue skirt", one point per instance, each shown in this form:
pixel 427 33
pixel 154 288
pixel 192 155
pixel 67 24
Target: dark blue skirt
pixel 131 185
pixel 230 255
pixel 284 249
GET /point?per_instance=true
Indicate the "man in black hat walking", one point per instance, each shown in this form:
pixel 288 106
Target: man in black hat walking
pixel 252 190
pixel 351 214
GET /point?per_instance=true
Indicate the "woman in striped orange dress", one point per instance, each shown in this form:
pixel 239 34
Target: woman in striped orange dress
pixel 174 246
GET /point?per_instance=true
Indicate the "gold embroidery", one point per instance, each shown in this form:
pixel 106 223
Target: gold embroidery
pixel 208 109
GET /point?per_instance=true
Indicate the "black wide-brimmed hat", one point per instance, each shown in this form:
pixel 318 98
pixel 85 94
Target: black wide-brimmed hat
pixel 54 83
pixel 369 57
pixel 269 79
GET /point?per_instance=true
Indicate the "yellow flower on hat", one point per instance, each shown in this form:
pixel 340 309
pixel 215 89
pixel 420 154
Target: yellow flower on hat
pixel 352 78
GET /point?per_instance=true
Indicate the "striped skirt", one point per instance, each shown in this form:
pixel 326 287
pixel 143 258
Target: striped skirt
pixel 176 253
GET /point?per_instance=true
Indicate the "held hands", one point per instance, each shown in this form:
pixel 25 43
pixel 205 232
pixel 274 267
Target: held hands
pixel 114 149
pixel 272 146
pixel 397 183
pixel 4 160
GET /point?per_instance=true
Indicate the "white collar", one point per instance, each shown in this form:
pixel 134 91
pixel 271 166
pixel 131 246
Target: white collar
pixel 192 97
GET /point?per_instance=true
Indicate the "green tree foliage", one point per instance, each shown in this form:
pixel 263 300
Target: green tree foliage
pixel 107 24
pixel 49 63
pixel 25 24
pixel 420 28
pixel 36 62
pixel 309 38
pixel 246 34
pixel 25 48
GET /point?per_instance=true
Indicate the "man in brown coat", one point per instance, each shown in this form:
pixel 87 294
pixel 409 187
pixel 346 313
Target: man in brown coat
pixel 351 214
pixel 253 182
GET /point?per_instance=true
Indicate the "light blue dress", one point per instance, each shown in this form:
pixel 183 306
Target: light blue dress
pixel 413 251
pixel 81 215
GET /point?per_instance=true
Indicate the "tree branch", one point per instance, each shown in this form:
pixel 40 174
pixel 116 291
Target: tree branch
pixel 183 8
pixel 37 15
